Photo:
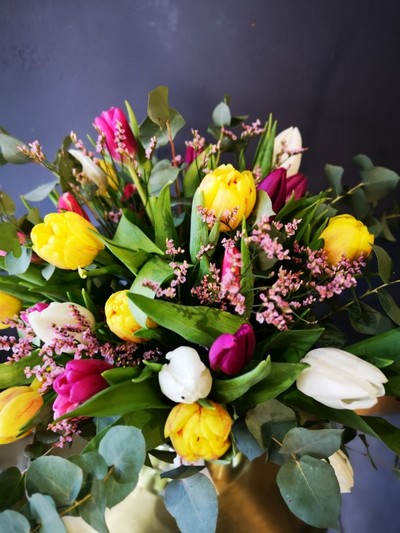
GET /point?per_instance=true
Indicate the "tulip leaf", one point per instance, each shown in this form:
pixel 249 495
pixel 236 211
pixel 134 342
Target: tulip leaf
pixel 157 106
pixel 198 228
pixel 385 264
pixel 120 374
pixel 44 511
pixel 132 259
pixel 55 477
pixel 221 115
pixel 334 176
pixel 229 390
pixel 193 503
pixel 319 443
pixel 290 345
pixel 9 151
pixel 128 232
pixel 14 374
pixel 311 491
pixel 13 522
pixel 11 487
pixel 197 324
pixel 163 221
pixel 246 278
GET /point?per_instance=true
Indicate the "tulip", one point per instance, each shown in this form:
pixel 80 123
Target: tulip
pixel 17 406
pixel 226 190
pixel 343 470
pixel 66 240
pixel 346 236
pixel 340 380
pixel 80 381
pixel 93 172
pixel 68 202
pixel 231 353
pixel 10 306
pixel 185 379
pixel 120 319
pixel 117 132
pixel 112 176
pixel 275 185
pixel 198 432
pixel 296 185
pixel 287 142
pixel 230 269
pixel 46 322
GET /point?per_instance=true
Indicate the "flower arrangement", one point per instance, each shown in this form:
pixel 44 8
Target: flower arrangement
pixel 191 310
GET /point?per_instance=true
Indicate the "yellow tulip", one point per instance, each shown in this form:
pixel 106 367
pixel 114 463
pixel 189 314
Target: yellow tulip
pixel 345 235
pixel 17 406
pixel 112 177
pixel 227 189
pixel 9 307
pixel 198 432
pixel 120 319
pixel 66 240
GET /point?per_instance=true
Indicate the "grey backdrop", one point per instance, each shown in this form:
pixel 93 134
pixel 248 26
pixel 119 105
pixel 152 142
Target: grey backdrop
pixel 329 67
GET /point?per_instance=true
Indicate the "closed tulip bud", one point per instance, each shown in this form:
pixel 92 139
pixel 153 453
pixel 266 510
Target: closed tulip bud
pixel 275 185
pixel 46 323
pixel 343 470
pixel 296 185
pixel 66 240
pixel 340 380
pixel 198 432
pixel 80 381
pixel 185 379
pixel 92 171
pixel 287 150
pixel 228 190
pixel 17 406
pixel 10 306
pixel 231 353
pixel 346 236
pixel 68 202
pixel 120 319
pixel 118 135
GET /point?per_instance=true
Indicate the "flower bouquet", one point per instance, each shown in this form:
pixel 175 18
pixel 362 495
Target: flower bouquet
pixel 178 311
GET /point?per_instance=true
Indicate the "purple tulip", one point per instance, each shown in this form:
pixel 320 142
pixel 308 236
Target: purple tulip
pixel 80 381
pixel 275 185
pixel 296 184
pixel 231 353
pixel 118 134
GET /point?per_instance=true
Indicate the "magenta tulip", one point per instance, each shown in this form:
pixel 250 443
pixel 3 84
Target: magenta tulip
pixel 275 186
pixel 80 381
pixel 231 353
pixel 68 202
pixel 117 132
pixel 296 184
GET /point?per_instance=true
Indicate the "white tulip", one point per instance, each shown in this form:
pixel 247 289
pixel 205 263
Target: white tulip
pixel 92 171
pixel 340 380
pixel 58 314
pixel 343 470
pixel 186 378
pixel 287 141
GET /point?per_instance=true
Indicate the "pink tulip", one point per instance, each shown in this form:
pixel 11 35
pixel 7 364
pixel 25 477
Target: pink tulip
pixel 231 353
pixel 37 307
pixel 68 202
pixel 118 134
pixel 80 381
pixel 230 270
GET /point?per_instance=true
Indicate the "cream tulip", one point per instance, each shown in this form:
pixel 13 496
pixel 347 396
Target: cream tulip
pixel 287 141
pixel 92 171
pixel 343 470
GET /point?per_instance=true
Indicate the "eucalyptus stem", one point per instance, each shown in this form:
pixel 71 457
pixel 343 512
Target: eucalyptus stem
pixel 349 192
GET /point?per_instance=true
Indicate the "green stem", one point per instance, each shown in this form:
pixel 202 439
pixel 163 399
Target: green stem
pixel 142 193
pixel 349 192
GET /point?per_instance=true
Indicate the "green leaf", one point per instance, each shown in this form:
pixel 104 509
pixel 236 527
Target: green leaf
pixel 44 511
pixel 366 319
pixel 7 206
pixel 290 345
pixel 379 182
pixel 263 206
pixel 386 344
pixel 363 162
pixel 13 522
pixel 163 221
pixel 197 324
pixel 9 152
pixel 358 203
pixel 311 491
pixel 198 228
pixel 267 419
pixel 149 129
pixel 334 176
pixel 123 398
pixel 246 278
pixel 389 305
pixel 14 374
pixel 229 390
pixel 245 441
pixel 18 265
pixel 41 192
pixel 319 443
pixel 11 487
pixel 9 241
pixel 221 115
pixel 120 374
pixel 193 503
pixel 128 232
pixel 93 510
pixel 385 265
pixel 162 174
pixel 157 107
pixel 56 477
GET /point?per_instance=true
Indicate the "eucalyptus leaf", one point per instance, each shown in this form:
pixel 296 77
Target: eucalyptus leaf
pixel 318 443
pixel 366 319
pixel 266 419
pixel 44 511
pixel 334 176
pixel 18 265
pixel 11 487
pixel 13 522
pixel 157 107
pixel 245 440
pixel 162 174
pixel 9 151
pixel 221 115
pixel 389 305
pixel 149 129
pixel 363 162
pixel 41 192
pixel 378 182
pixel 9 241
pixel 93 509
pixel 385 265
pixel 193 503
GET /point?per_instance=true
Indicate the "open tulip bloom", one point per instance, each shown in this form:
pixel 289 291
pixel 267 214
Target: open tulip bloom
pixel 185 307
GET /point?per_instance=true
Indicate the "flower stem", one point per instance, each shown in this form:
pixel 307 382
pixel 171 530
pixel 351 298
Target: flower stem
pixel 142 192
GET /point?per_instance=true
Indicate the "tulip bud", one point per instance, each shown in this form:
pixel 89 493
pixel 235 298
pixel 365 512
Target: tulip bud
pixel 343 470
pixel 275 185
pixel 68 202
pixel 92 171
pixel 198 432
pixel 80 381
pixel 296 185
pixel 120 319
pixel 66 240
pixel 185 379
pixel 286 143
pixel 231 353
pixel 112 176
pixel 346 236
pixel 230 269
pixel 117 132
pixel 340 380
pixel 228 190
pixel 46 323
pixel 17 406
pixel 10 306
